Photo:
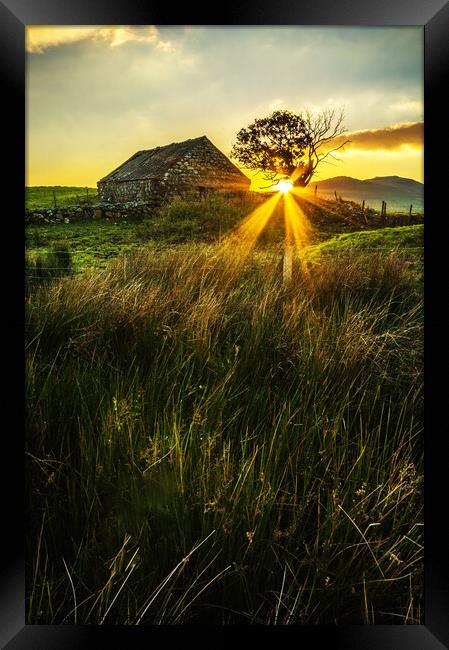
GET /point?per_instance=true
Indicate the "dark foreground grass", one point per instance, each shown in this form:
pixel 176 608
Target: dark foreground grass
pixel 211 447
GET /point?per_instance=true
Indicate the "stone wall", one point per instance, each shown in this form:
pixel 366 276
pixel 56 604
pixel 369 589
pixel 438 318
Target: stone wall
pixel 130 191
pixel 130 211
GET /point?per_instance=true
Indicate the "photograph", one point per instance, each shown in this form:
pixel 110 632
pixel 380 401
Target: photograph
pixel 224 232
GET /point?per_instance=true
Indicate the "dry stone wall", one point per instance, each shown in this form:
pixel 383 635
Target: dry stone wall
pixel 130 211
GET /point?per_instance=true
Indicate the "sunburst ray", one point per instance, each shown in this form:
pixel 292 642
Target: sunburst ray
pixel 298 233
pixel 237 246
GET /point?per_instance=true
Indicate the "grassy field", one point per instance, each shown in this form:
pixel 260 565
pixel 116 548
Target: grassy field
pixel 94 243
pixel 90 243
pixel 44 197
pixel 209 444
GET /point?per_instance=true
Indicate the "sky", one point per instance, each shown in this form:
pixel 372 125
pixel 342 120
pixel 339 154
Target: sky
pixel 97 94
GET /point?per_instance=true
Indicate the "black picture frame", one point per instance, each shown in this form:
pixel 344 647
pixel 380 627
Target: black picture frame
pixel 433 16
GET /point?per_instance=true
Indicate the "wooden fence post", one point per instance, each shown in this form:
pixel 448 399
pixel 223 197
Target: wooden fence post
pixel 287 265
pixel 363 205
pixel 316 189
pixel 336 197
pixel 287 259
pixel 125 256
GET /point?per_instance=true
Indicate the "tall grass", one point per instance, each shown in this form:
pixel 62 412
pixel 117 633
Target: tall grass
pixel 205 446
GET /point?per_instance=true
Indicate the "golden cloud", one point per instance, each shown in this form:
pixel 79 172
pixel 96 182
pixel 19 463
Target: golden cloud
pixel 38 39
pixel 408 134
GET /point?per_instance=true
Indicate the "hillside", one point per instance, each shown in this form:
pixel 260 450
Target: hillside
pixel 406 241
pixel 397 191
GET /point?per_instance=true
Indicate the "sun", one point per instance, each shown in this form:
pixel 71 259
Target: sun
pixel 284 186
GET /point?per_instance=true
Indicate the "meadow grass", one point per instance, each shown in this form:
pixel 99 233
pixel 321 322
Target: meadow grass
pixel 40 196
pixel 91 243
pixel 205 446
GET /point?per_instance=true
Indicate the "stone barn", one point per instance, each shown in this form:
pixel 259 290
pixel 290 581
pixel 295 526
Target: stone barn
pixel 188 169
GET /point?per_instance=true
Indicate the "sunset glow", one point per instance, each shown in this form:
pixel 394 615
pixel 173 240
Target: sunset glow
pixel 95 95
pixel 284 186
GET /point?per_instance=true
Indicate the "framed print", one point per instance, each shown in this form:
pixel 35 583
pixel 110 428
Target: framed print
pixel 233 324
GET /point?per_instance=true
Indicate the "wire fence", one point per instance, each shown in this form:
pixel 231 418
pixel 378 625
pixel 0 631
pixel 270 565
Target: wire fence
pixel 352 247
pixel 402 207
pixel 47 272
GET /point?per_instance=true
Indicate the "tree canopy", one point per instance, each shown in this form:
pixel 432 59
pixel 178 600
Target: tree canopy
pixel 287 145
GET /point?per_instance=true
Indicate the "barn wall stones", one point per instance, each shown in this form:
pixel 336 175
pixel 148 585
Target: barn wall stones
pixel 129 191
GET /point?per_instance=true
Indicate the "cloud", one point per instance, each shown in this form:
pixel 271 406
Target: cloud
pixel 408 134
pixel 39 39
pixel 276 104
pixel 408 106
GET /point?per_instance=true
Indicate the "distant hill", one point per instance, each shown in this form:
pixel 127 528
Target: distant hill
pixel 397 191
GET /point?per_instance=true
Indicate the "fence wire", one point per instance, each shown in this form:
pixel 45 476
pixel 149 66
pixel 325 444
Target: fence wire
pixel 36 271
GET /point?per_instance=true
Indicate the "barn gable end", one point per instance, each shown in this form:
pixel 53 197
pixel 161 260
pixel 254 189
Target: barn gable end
pixel 186 169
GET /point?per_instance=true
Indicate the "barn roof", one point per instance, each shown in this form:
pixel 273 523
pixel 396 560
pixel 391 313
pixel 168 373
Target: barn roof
pixel 153 163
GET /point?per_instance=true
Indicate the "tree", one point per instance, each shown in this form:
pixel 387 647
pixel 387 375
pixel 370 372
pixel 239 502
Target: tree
pixel 289 146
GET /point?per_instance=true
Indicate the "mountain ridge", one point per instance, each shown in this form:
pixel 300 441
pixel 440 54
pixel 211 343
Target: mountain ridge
pixel 393 189
pixel 376 179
